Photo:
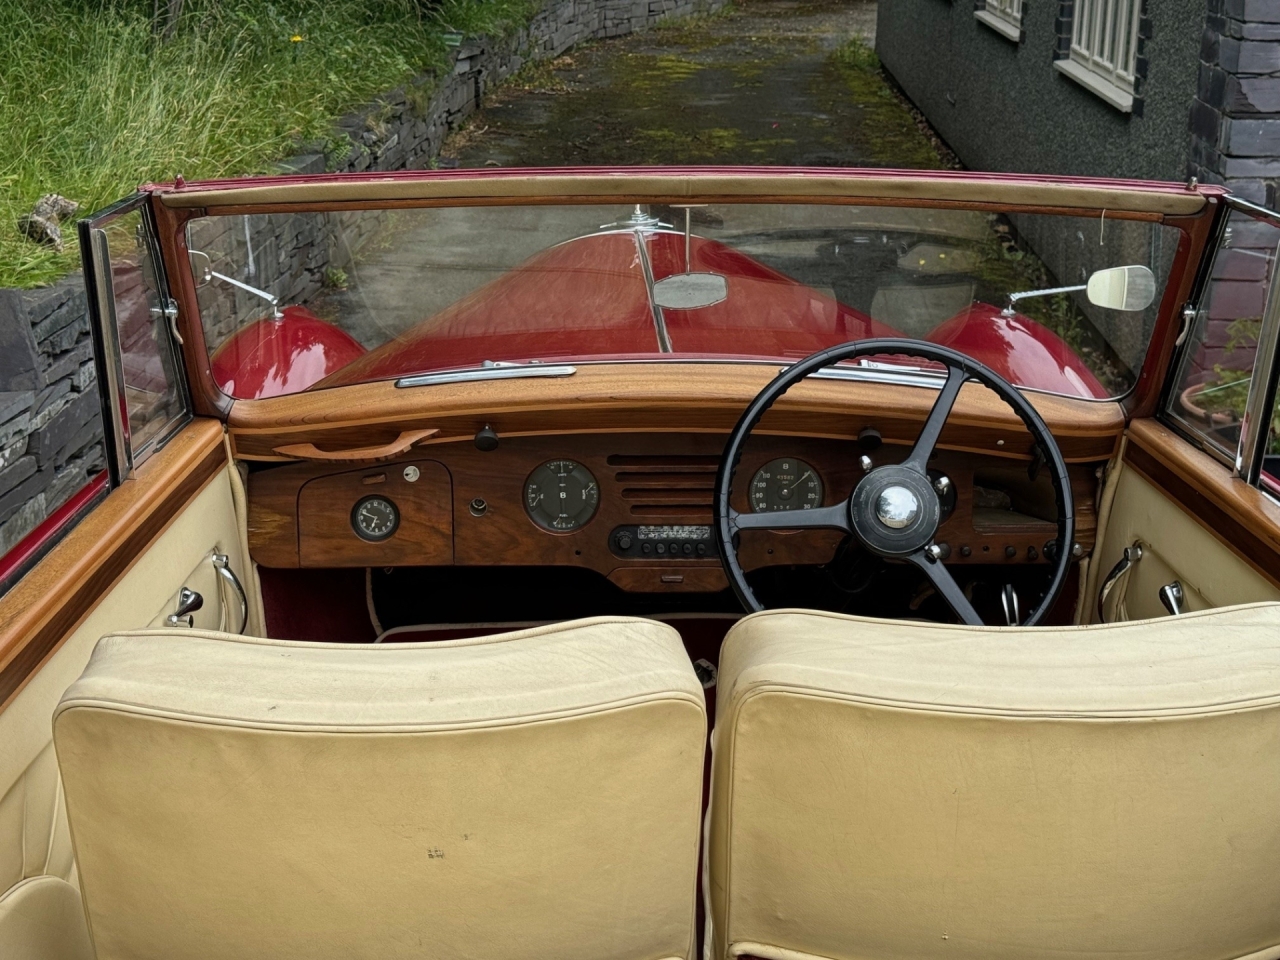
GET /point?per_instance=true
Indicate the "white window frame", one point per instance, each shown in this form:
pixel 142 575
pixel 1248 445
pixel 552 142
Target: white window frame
pixel 1002 16
pixel 1104 49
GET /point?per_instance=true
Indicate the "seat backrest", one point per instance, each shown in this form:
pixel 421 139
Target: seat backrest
pixel 897 789
pixel 535 794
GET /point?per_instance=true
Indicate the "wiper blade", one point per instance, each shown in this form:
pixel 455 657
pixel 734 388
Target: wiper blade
pixel 489 370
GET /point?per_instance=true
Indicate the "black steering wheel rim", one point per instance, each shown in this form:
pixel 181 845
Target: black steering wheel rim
pixel 960 368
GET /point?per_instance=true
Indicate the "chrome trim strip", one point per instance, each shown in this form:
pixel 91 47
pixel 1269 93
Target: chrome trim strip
pixel 659 321
pixel 899 378
pixel 514 372
pixel 111 363
pixel 1252 210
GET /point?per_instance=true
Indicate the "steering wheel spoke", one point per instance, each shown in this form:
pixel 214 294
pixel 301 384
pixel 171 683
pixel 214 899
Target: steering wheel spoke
pixel 818 518
pixel 894 510
pixel 946 585
pixel 918 459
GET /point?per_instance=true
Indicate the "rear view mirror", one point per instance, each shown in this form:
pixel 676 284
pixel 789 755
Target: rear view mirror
pixel 1122 288
pixel 690 291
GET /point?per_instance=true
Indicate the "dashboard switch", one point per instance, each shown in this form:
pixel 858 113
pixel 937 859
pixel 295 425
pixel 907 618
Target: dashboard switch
pixel 486 439
pixel 624 541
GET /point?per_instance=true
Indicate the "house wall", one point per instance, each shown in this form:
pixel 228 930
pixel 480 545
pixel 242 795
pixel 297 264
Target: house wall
pixel 1001 105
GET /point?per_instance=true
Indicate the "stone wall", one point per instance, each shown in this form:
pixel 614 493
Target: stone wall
pixel 50 428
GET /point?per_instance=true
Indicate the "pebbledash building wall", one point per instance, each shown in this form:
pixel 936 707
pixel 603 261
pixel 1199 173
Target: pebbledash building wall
pixel 50 426
pixel 1154 89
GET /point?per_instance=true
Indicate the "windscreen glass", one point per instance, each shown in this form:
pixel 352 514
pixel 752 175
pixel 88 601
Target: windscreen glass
pixel 305 301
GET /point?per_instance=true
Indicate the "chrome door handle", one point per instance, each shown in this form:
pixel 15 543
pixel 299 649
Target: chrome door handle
pixel 223 566
pixel 188 603
pixel 1131 556
pixel 1172 596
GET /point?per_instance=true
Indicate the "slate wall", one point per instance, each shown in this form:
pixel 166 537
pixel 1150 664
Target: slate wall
pixel 50 428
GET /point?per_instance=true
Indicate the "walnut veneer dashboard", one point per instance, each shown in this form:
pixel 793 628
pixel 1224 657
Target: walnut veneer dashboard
pixel 637 445
pixel 635 507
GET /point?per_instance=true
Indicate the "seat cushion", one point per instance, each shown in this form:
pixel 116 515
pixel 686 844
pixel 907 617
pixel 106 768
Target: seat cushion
pixel 897 789
pixel 534 794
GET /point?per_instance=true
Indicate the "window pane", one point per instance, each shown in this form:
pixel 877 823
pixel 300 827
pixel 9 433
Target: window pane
pixel 1216 370
pixel 50 413
pixel 379 294
pixel 152 384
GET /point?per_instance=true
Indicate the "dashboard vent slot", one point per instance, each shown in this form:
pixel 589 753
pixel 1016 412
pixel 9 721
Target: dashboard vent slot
pixel 676 487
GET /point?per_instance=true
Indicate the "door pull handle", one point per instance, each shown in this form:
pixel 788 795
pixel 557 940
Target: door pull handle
pixel 1173 597
pixel 1131 556
pixel 188 603
pixel 223 565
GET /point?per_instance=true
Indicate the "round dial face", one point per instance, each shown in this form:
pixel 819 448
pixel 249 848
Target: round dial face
pixel 785 484
pixel 561 496
pixel 375 518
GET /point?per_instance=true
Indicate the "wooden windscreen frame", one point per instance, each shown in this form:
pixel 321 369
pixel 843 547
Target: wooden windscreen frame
pixel 1193 213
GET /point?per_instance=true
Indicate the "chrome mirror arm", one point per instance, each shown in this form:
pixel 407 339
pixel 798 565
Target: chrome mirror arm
pixel 1027 294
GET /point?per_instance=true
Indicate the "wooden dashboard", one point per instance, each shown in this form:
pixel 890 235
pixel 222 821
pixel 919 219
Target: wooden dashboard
pixel 464 506
pixel 651 434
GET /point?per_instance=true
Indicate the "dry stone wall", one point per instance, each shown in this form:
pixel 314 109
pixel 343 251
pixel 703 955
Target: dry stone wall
pixel 50 427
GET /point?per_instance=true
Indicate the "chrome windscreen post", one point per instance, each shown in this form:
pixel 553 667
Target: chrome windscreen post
pixel 1255 425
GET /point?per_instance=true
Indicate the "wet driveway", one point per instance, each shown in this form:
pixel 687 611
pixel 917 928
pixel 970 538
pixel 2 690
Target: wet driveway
pixel 773 82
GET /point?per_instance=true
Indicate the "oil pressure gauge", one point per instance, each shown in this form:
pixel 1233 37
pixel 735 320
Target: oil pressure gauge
pixel 375 519
pixel 785 484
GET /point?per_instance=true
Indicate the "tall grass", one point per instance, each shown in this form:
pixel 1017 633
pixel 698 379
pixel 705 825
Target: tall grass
pixel 92 103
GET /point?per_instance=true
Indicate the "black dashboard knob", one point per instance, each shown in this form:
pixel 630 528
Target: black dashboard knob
pixel 624 541
pixel 869 438
pixel 486 439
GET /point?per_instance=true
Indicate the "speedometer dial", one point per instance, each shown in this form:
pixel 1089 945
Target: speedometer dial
pixel 561 496
pixel 785 484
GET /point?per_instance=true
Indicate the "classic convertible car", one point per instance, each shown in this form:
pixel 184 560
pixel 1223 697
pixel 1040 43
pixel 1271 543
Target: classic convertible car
pixel 658 563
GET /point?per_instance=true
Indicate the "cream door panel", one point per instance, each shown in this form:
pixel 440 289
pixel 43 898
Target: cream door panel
pixel 1174 547
pixel 33 832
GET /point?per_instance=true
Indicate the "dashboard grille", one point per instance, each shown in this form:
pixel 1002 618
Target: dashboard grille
pixel 667 486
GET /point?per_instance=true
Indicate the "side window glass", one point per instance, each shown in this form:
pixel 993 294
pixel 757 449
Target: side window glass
pixel 141 367
pixel 1215 374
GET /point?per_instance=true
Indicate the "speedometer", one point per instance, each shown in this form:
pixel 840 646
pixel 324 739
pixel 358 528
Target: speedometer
pixel 785 484
pixel 561 496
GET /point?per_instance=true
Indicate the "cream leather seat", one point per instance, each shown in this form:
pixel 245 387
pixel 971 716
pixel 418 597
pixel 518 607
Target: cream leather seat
pixel 886 789
pixel 526 795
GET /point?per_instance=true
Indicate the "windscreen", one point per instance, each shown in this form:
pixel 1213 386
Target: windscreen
pixel 307 301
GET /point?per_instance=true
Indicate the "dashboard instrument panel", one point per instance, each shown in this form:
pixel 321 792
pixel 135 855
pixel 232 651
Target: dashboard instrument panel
pixel 634 507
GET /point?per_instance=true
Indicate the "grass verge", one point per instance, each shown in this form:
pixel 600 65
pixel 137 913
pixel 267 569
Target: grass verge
pixel 93 103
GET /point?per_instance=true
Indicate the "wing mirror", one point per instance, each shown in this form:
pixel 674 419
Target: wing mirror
pixel 690 291
pixel 1122 288
pixel 1131 287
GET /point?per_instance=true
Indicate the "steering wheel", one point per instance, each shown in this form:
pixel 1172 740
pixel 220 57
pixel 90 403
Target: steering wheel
pixel 894 510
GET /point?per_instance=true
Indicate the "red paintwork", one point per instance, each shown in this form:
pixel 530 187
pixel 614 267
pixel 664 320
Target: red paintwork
pixel 51 527
pixel 767 314
pixel 1020 350
pixel 587 299
pixel 273 357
